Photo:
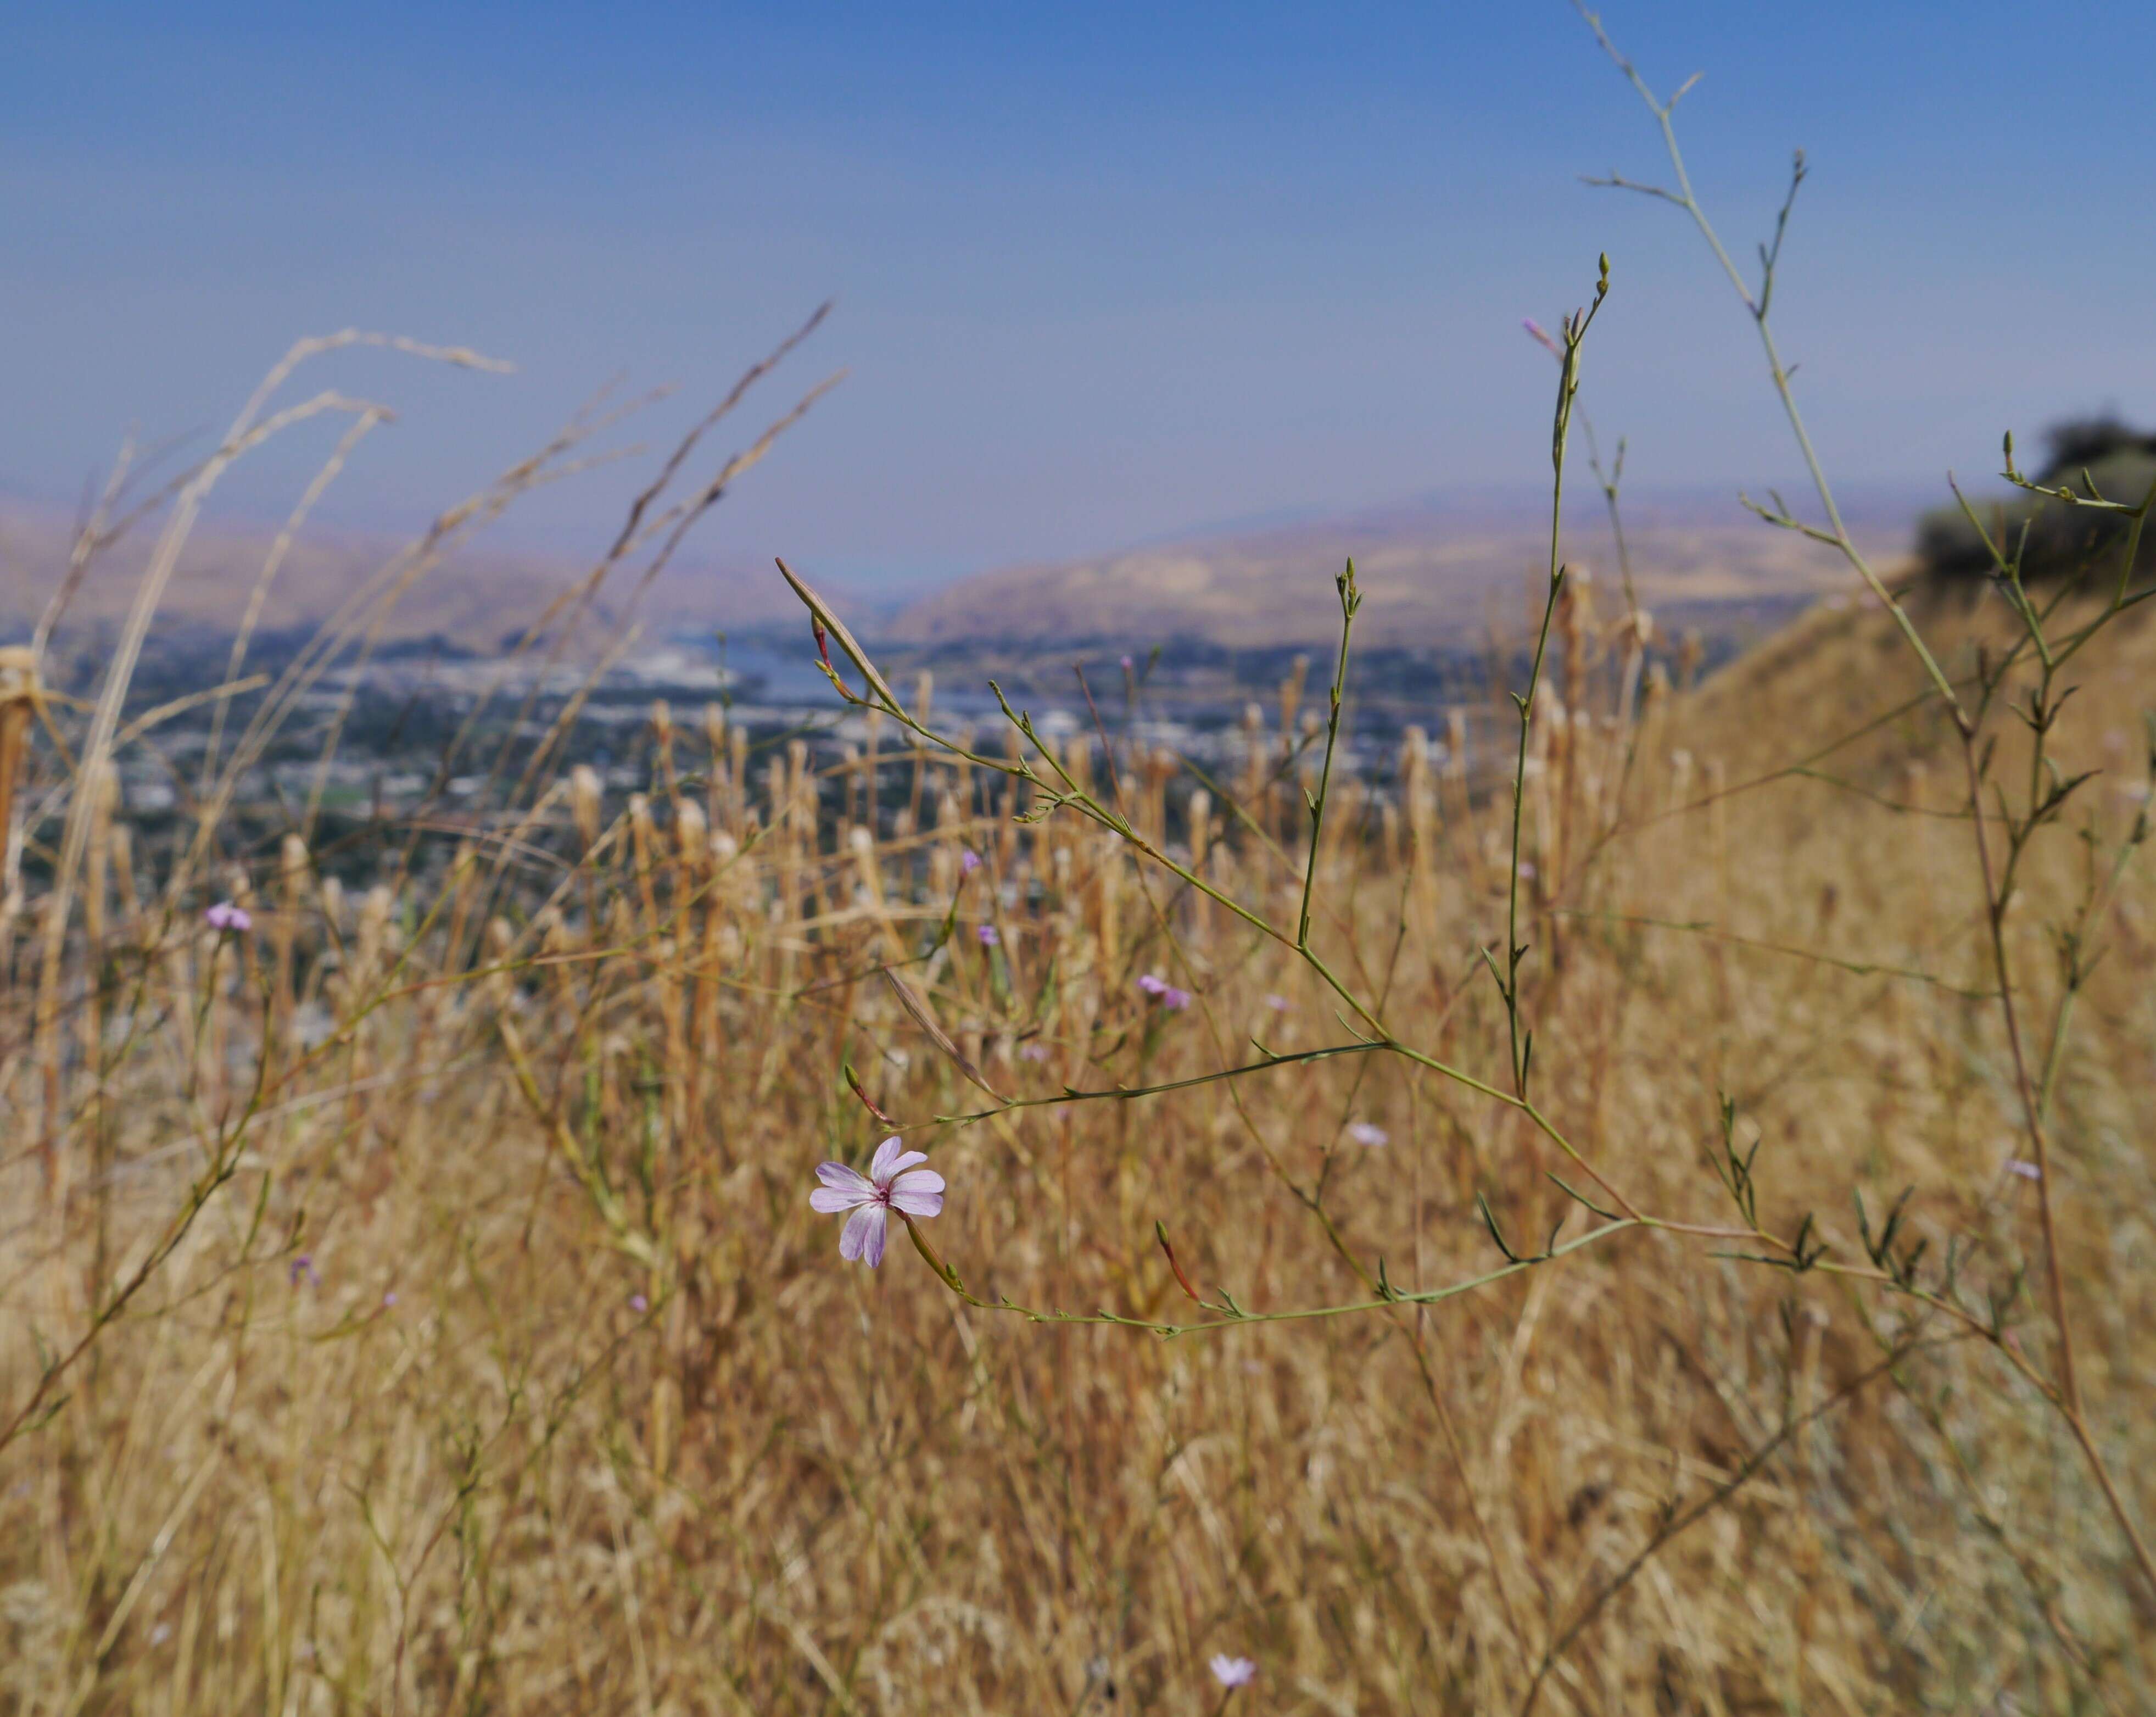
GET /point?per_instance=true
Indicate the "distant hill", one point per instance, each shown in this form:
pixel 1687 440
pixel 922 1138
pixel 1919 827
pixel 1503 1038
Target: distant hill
pixel 1431 575
pixel 474 598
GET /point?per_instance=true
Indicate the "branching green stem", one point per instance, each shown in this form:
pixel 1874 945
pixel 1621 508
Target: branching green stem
pixel 1351 600
pixel 2045 797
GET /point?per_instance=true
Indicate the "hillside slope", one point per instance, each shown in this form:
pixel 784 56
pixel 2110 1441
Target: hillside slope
pixel 1428 577
pixel 510 1364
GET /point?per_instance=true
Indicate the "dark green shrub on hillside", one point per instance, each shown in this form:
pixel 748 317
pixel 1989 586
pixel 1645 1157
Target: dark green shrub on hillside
pixel 2099 457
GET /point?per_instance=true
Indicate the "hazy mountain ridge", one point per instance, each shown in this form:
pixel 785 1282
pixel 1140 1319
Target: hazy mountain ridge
pixel 1431 575
pixel 474 597
pixel 1428 577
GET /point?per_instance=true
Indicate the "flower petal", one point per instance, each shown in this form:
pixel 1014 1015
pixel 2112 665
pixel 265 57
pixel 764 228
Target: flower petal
pixel 887 1153
pixel 919 1193
pixel 901 1164
pixel 840 1177
pixel 863 1235
pixel 1232 1671
pixel 833 1199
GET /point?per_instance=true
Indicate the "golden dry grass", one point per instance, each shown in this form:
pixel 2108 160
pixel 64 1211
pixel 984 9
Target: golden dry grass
pixel 509 1370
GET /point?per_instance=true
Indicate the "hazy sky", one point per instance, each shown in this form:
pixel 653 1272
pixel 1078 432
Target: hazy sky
pixel 1103 271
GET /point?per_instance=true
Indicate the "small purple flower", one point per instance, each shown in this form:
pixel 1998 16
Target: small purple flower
pixel 1278 1004
pixel 389 1299
pixel 2027 1171
pixel 1362 1132
pixel 1033 1052
pixel 1165 993
pixel 892 1183
pixel 1233 1672
pixel 989 935
pixel 302 1269
pixel 968 862
pixel 638 1304
pixel 1127 664
pixel 225 916
pixel 1535 333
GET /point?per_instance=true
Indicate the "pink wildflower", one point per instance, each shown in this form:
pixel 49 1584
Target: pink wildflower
pixel 637 1302
pixel 1165 993
pixel 1278 1004
pixel 892 1183
pixel 1535 333
pixel 1362 1132
pixel 2027 1171
pixel 1233 1672
pixel 225 915
pixel 990 936
pixel 968 862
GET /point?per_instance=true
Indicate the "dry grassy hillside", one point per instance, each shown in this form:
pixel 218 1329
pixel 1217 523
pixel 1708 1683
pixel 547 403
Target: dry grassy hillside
pixel 414 1302
pixel 1428 579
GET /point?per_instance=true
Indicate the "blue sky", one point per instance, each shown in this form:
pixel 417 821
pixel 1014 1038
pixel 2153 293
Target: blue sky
pixel 1103 272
